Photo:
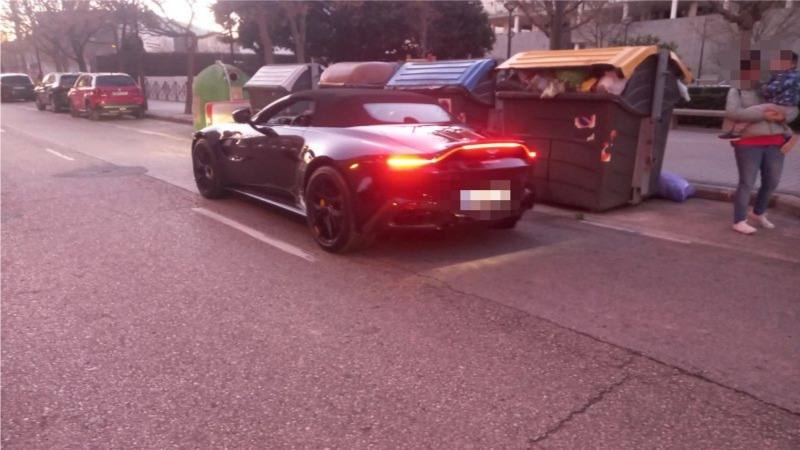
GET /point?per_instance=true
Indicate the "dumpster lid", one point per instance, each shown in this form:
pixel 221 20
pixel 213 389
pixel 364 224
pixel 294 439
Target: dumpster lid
pixel 626 59
pixel 358 74
pixel 435 74
pixel 279 75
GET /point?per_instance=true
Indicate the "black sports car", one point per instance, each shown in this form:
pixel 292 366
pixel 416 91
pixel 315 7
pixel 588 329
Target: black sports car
pixel 354 161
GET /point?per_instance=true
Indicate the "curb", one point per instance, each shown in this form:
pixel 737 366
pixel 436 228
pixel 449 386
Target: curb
pixel 172 119
pixel 784 202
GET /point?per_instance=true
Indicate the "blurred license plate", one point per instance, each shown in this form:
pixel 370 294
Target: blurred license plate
pixel 485 199
pixel 123 109
pixel 119 93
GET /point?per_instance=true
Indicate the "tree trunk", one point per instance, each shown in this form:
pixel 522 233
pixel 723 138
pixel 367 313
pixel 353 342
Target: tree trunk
pixel 557 26
pixel 191 48
pixel 81 63
pixel 265 38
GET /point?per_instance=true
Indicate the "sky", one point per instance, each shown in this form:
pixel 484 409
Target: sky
pixel 203 18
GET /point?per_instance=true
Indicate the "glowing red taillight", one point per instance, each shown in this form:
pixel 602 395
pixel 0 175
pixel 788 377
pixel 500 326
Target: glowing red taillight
pixel 406 162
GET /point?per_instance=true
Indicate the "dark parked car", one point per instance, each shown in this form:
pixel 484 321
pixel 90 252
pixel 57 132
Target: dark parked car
pixel 98 94
pixel 53 89
pixel 354 161
pixel 16 86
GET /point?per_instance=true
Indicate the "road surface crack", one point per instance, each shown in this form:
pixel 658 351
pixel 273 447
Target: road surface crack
pixel 591 401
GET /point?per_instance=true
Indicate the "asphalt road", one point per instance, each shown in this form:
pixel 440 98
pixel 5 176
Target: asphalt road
pixel 136 314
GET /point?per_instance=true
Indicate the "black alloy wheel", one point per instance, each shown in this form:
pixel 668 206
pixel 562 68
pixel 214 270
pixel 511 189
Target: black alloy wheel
pixel 207 175
pixel 329 211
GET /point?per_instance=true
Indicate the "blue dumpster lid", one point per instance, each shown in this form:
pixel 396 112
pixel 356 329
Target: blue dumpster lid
pixel 435 74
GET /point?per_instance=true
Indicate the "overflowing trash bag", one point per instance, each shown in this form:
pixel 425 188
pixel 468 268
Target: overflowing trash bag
pixel 674 187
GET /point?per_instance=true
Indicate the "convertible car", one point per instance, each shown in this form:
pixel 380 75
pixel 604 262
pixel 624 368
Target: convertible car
pixel 355 161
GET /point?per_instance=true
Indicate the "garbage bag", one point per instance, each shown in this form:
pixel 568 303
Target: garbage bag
pixel 674 187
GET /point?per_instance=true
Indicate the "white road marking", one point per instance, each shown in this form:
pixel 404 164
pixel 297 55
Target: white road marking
pixel 60 155
pixel 277 243
pixel 29 108
pixel 152 133
pixel 662 236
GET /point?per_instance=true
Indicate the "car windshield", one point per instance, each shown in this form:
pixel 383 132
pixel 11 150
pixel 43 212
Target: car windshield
pixel 407 113
pixel 16 80
pixel 67 80
pixel 114 80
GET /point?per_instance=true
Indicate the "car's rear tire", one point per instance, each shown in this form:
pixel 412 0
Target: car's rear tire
pixel 329 212
pixel 139 113
pixel 506 223
pixel 73 111
pixel 207 173
pixel 54 105
pixel 94 113
pixel 40 106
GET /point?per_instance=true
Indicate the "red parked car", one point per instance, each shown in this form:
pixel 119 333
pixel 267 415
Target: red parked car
pixel 98 94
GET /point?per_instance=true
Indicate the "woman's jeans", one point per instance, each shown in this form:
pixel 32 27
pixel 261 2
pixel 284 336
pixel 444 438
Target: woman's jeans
pixel 750 160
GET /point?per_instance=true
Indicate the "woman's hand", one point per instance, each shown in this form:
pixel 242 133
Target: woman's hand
pixel 773 115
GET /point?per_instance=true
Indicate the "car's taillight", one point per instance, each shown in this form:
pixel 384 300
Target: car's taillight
pixel 405 162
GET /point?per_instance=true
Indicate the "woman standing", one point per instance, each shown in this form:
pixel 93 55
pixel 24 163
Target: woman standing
pixel 759 148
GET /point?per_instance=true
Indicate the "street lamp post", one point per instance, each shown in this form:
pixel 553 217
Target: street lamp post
pixel 510 6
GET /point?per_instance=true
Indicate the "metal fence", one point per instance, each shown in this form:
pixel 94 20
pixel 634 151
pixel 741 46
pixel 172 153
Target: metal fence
pixel 166 88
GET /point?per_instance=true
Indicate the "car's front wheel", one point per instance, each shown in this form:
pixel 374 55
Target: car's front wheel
pixel 207 174
pixel 329 211
pixel 39 105
pixel 73 111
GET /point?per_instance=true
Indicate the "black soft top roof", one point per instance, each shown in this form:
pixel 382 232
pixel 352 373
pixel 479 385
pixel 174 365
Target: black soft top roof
pixel 342 107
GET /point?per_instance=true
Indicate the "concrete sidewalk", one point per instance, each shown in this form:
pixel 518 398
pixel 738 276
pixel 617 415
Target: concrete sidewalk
pixel 167 110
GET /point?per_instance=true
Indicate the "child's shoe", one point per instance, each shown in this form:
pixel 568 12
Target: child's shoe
pixel 762 220
pixel 743 227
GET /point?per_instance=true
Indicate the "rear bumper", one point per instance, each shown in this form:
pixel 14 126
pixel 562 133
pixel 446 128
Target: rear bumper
pixel 412 214
pixel 120 109
pixel 441 200
pixel 14 94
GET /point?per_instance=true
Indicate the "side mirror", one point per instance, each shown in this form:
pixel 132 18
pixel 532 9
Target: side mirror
pixel 242 115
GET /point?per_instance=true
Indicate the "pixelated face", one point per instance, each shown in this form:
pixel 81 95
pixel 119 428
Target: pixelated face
pixel 749 71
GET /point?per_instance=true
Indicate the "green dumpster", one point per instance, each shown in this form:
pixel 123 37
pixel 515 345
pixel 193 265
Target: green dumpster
pixel 218 82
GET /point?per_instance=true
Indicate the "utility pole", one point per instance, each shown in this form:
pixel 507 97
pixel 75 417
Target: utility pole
pixel 510 6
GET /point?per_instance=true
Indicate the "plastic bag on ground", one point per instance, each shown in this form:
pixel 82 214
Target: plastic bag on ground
pixel 674 187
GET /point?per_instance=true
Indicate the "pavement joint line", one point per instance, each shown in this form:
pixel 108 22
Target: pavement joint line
pixel 152 133
pixel 635 353
pixel 637 232
pixel 277 243
pixel 60 155
pixel 591 401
